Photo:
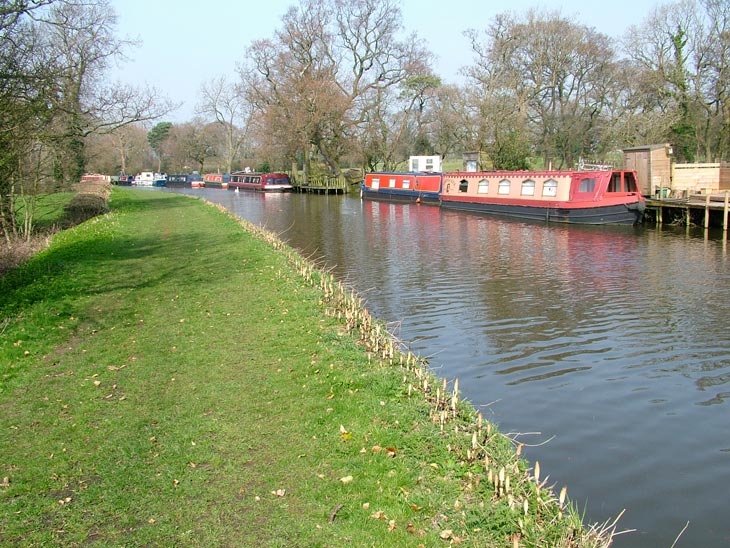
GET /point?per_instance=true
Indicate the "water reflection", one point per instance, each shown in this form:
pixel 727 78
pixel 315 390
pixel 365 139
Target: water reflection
pixel 611 342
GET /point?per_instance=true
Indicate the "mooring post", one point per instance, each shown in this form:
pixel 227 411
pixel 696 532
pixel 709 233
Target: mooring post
pixel 707 211
pixel 724 215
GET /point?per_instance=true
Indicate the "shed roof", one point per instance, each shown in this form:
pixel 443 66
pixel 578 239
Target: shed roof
pixel 646 147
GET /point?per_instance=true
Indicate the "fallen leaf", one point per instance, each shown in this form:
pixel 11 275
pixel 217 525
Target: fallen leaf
pixel 379 515
pixel 279 492
pixel 446 534
pixel 391 526
pixel 346 479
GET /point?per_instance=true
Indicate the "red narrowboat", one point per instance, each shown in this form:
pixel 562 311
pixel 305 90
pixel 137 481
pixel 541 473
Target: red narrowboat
pixel 265 182
pixel 582 197
pixel 216 180
pixel 402 187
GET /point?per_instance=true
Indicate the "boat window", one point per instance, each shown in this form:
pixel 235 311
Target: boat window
pixel 630 182
pixel 503 187
pixel 375 183
pixel 483 187
pixel 587 185
pixel 463 185
pixel 528 188
pixel 550 188
pixel 406 183
pixel 614 185
pixel 391 183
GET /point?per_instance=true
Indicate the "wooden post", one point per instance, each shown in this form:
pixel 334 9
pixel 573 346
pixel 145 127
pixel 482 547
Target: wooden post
pixel 724 215
pixel 707 211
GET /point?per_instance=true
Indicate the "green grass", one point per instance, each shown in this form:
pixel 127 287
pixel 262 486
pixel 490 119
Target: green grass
pixel 169 378
pixel 48 209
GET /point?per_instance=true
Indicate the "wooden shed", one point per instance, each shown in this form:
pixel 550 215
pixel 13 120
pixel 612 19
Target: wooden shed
pixel 653 166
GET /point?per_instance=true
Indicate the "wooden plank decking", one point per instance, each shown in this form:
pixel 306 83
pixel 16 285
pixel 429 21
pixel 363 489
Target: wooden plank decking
pixel 711 208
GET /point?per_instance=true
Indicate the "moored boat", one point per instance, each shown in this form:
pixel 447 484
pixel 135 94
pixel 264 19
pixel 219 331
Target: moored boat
pixel 265 182
pixel 149 178
pixel 183 180
pixel 402 187
pixel 582 197
pixel 216 180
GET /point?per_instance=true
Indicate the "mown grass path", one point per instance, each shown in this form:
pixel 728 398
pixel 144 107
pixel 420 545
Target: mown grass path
pixel 168 380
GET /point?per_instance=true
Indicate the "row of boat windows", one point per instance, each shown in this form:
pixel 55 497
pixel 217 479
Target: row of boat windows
pixel 549 187
pixel 391 183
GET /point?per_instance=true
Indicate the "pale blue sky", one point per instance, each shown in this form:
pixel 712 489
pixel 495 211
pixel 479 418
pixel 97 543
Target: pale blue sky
pixel 183 43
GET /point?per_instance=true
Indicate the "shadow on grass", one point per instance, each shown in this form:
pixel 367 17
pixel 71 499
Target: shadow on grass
pixel 83 266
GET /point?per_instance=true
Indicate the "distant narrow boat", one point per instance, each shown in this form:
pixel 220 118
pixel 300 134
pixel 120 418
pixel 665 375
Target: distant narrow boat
pixel 265 182
pixel 216 180
pixel 583 197
pixel 402 187
pixel 150 178
pixel 183 180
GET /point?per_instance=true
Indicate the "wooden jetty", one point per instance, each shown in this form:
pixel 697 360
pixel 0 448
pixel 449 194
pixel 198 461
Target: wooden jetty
pixel 324 185
pixel 698 209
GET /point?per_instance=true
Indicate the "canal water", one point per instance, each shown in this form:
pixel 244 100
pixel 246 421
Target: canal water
pixel 605 350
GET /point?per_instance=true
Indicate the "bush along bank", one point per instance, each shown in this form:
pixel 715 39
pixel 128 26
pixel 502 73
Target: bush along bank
pixel 167 378
pixel 501 498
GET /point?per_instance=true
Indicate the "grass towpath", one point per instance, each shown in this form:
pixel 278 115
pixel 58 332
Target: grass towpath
pixel 168 379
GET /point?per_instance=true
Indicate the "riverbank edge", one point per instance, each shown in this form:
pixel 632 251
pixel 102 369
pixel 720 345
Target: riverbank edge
pixel 445 405
pixel 490 483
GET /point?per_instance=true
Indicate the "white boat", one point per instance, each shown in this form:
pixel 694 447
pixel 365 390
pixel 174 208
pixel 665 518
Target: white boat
pixel 150 178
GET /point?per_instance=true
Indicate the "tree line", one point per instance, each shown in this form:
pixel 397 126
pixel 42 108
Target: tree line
pixel 54 97
pixel 340 83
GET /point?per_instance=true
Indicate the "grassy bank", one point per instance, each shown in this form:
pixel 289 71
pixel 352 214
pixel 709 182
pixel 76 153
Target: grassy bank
pixel 168 378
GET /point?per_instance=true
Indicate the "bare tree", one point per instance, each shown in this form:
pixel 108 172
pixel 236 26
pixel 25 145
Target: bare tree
pixel 227 105
pixel 330 68
pixel 81 38
pixel 682 50
pixel 549 75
